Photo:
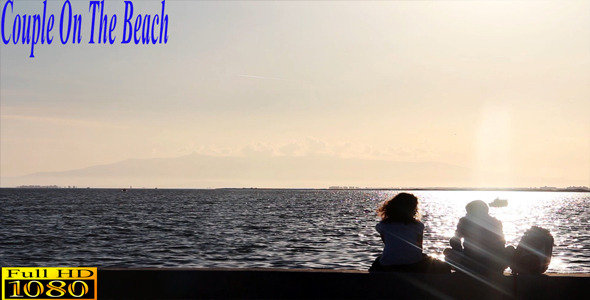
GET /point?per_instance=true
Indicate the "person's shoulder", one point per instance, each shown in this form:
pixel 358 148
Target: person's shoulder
pixel 419 225
pixel 380 226
pixel 462 220
pixel 463 223
pixel 496 221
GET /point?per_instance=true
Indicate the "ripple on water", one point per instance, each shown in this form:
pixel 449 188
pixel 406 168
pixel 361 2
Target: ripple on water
pixel 257 228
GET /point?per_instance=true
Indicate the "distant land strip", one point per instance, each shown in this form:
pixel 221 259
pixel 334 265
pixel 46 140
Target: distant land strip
pixel 580 189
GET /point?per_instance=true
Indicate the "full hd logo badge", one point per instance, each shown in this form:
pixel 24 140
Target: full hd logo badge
pixel 49 283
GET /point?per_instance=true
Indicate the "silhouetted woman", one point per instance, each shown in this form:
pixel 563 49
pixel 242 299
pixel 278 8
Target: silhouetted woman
pixel 402 233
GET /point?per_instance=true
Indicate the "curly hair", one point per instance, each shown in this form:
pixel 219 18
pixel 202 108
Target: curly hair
pixel 402 208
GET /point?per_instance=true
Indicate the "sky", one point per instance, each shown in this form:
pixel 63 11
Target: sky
pixel 498 87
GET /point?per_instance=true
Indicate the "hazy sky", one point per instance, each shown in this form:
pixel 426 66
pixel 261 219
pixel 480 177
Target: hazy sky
pixel 498 86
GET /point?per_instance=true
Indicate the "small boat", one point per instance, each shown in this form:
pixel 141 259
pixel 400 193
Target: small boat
pixel 498 203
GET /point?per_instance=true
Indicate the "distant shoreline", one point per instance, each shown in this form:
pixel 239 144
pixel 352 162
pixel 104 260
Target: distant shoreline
pixel 488 189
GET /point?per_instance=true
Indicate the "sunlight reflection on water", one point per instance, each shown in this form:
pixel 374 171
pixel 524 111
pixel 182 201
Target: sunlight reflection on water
pixel 258 228
pixel 564 214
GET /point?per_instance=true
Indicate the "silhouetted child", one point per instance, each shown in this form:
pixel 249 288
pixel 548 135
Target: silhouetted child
pixel 483 249
pixel 402 233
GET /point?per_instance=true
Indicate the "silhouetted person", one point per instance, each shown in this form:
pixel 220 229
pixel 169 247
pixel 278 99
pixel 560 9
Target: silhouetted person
pixel 483 249
pixel 402 233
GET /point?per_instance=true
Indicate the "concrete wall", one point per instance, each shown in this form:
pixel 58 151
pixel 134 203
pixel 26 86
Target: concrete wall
pixel 330 284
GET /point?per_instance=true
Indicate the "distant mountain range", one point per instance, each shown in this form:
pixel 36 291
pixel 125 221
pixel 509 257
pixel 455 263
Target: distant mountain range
pixel 313 171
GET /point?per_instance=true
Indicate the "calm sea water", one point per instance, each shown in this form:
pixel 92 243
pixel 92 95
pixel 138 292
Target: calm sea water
pixel 257 228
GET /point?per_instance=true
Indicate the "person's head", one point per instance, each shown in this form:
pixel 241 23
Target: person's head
pixel 401 208
pixel 477 208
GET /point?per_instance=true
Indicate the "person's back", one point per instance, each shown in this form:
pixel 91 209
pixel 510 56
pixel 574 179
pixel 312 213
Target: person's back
pixel 482 235
pixel 402 242
pixel 402 232
pixel 483 248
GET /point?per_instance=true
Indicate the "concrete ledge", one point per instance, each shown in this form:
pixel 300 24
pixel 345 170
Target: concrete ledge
pixel 330 284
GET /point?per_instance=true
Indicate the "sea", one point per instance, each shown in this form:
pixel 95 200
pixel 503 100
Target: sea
pixel 258 228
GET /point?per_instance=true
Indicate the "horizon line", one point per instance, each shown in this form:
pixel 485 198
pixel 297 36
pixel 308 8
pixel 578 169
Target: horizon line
pixel 332 188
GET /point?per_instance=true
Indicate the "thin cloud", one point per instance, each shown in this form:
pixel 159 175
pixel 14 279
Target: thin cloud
pixel 63 121
pixel 263 77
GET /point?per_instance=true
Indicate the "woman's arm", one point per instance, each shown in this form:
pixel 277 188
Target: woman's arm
pixel 456 239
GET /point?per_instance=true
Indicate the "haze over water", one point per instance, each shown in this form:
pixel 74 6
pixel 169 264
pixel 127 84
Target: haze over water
pixel 299 94
pixel 257 228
